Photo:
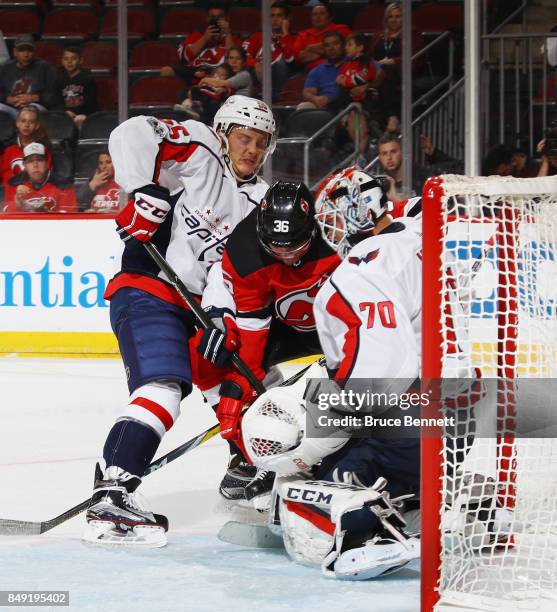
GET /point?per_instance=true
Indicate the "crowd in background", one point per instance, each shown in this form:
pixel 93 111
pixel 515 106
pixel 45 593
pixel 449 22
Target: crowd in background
pixel 338 67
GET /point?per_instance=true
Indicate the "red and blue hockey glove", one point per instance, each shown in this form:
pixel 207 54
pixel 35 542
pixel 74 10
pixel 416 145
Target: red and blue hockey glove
pixel 217 345
pixel 235 393
pixel 142 215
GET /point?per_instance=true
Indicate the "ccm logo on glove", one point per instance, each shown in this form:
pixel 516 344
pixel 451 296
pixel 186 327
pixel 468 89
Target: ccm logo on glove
pixel 142 216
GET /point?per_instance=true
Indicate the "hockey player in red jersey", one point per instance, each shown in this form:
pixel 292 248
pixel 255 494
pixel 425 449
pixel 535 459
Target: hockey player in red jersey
pixel 190 185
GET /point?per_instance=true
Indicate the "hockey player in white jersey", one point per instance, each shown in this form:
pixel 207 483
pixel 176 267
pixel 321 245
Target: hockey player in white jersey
pixel 347 517
pixel 190 185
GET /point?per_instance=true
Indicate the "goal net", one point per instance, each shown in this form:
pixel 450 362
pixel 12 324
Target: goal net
pixel 489 494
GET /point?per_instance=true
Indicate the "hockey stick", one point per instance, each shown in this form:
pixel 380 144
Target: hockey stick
pixel 15 527
pixel 205 321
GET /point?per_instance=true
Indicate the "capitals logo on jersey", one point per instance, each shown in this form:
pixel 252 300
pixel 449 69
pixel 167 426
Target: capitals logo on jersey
pixel 365 259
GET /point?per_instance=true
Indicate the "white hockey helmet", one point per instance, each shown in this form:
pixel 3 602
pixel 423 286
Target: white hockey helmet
pixel 349 202
pixel 248 113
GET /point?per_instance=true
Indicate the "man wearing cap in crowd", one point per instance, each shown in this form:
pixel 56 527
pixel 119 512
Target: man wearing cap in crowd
pixel 36 189
pixel 26 79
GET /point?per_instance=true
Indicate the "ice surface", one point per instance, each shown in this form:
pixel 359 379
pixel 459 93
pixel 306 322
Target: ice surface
pixel 54 416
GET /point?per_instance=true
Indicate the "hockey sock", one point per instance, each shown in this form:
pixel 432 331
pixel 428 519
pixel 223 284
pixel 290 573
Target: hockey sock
pixel 130 446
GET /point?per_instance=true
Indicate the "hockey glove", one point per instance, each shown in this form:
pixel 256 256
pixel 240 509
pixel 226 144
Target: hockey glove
pixel 234 395
pixel 216 344
pixel 141 217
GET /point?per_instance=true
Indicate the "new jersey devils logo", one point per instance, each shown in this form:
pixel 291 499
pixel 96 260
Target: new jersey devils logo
pixel 296 308
pixel 365 259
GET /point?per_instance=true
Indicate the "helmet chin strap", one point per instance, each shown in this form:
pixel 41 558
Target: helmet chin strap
pixel 230 163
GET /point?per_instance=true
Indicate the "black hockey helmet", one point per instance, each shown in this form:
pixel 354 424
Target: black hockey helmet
pixel 285 221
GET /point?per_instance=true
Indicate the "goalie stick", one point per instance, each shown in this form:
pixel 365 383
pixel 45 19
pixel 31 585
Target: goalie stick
pixel 17 527
pixel 252 536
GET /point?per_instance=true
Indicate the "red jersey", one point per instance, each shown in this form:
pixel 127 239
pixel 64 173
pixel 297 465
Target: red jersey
pixel 209 56
pixel 282 48
pixel 12 161
pixel 52 196
pixel 312 37
pixel 263 287
pixel 106 199
pixel 356 72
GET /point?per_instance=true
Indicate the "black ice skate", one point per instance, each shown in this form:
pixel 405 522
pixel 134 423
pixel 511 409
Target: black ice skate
pixel 259 490
pixel 117 514
pixel 238 475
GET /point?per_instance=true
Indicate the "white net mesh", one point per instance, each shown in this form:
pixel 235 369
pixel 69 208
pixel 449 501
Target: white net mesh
pixel 499 305
pixel 263 446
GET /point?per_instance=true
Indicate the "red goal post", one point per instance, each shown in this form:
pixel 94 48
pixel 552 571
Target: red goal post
pixel 489 511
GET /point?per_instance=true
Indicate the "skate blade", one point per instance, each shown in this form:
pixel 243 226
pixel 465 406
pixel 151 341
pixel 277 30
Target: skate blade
pixel 104 533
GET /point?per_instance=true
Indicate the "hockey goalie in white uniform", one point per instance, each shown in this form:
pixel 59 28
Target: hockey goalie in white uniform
pixel 348 516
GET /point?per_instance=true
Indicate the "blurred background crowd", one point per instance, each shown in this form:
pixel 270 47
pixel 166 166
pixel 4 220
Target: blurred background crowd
pixel 336 87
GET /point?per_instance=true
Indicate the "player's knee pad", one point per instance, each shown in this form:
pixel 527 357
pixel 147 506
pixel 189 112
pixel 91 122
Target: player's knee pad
pixel 156 404
pixel 311 517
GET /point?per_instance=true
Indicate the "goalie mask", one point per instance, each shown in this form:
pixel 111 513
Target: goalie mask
pixel 350 202
pixel 285 221
pixel 273 432
pixel 247 113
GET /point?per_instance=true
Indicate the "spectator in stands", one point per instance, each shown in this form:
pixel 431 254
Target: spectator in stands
pixel 26 80
pixel 498 161
pixel 241 81
pixel 548 150
pixel 102 193
pixel 309 48
pixel 282 50
pixel 390 159
pixel 551 50
pixel 203 101
pixel 36 189
pixel 76 86
pixel 387 51
pixel 28 129
pixel 320 88
pixel 200 52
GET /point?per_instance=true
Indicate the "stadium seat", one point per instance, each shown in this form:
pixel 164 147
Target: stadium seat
pixel 92 4
pixel 63 165
pixel 18 22
pixel 179 22
pixel 155 91
pixel 369 19
pixel 304 123
pixel 245 20
pixel 151 55
pixel 100 56
pixel 73 23
pixel 7 127
pixel 141 23
pixel 299 18
pixel 87 162
pixel 58 126
pixel 438 17
pixel 291 92
pixel 107 93
pixel 50 52
pixel 98 126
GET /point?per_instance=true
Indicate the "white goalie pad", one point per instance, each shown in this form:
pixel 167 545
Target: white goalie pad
pixel 311 514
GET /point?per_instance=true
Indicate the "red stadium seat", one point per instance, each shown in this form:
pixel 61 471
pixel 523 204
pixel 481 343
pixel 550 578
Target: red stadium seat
pixel 155 91
pixel 369 19
pixel 70 22
pixel 152 54
pixel 18 22
pixel 291 92
pixel 244 20
pixel 182 21
pixel 299 18
pixel 107 92
pixel 438 17
pixel 100 55
pixel 49 52
pixel 141 23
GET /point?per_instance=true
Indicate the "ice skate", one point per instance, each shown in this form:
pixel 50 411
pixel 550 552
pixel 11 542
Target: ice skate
pixel 118 515
pixel 238 475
